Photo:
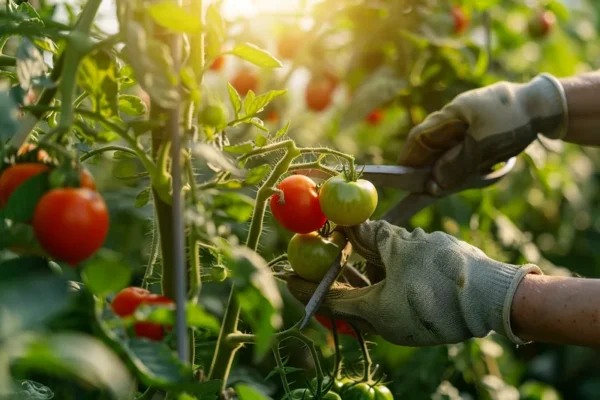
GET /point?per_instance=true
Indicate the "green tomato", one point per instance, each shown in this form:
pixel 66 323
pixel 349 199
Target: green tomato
pixel 338 385
pixel 364 391
pixel 218 273
pixel 311 255
pixel 305 394
pixel 213 115
pixel 347 203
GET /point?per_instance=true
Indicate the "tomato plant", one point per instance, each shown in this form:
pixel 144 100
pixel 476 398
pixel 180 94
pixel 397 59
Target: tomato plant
pixel 311 255
pixel 306 394
pixel 364 391
pixel 81 217
pixel 298 210
pixel 346 202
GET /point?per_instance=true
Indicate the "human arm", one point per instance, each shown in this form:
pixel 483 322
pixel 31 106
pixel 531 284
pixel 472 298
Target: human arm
pixel 583 104
pixel 558 310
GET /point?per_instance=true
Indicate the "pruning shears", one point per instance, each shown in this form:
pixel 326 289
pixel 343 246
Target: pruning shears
pixel 422 194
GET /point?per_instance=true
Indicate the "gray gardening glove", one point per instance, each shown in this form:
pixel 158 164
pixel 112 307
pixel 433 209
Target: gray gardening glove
pixel 482 127
pixel 437 290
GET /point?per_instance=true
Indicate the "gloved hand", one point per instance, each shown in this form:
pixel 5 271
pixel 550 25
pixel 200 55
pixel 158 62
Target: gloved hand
pixel 482 127
pixel 437 290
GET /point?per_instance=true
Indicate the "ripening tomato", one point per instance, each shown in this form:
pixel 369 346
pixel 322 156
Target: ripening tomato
pixel 15 175
pixel 306 394
pixel 299 210
pixel 129 299
pixel 288 44
pixel 342 327
pixel 218 63
pixel 319 93
pixel 272 116
pixel 375 117
pixel 348 203
pixel 364 391
pixel 86 180
pixel 541 24
pixel 71 224
pixel 460 19
pixel 311 255
pixel 245 81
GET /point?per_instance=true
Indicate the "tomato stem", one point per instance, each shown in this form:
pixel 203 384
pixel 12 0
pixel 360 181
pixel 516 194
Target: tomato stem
pixel 104 149
pixel 282 374
pixel 365 351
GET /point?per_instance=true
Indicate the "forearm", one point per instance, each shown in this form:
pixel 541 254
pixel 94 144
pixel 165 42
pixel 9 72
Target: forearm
pixel 583 104
pixel 557 310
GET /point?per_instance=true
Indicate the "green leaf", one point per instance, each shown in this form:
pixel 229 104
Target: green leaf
pixel 247 392
pixel 30 64
pixel 239 148
pixel 256 56
pixel 106 273
pixel 215 32
pixel 260 140
pixel 235 99
pixel 283 130
pixel 196 316
pixel 257 174
pixel 132 105
pixel 46 44
pixel 20 278
pixel 24 199
pixel 236 206
pixel 142 198
pixel 98 76
pixel 254 105
pixel 80 356
pixel 215 158
pixel 12 76
pixel 257 294
pixel 171 16
pixel 27 10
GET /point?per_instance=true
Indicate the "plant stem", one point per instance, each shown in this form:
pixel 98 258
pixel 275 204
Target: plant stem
pixel 7 61
pixel 101 150
pixel 284 381
pixel 225 352
pixel 365 351
pixel 325 150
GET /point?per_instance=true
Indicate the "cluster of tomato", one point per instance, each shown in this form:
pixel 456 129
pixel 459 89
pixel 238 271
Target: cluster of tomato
pixel 70 220
pixel 303 209
pixel 129 299
pixel 346 389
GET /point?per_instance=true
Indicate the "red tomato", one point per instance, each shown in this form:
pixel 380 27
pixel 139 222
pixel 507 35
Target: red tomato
pixel 272 116
pixel 71 223
pixel 319 93
pixel 86 180
pixel 218 63
pixel 342 327
pixel 244 81
pixel 301 211
pixel 375 117
pixel 14 176
pixel 148 329
pixel 541 24
pixel 288 44
pixel 460 19
pixel 128 299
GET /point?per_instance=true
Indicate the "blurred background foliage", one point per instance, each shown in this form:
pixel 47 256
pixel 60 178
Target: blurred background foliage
pixel 405 58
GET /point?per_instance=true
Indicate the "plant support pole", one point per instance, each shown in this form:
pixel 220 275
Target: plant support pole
pixel 179 259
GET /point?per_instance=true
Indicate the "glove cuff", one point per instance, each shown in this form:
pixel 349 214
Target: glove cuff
pixel 548 99
pixel 500 285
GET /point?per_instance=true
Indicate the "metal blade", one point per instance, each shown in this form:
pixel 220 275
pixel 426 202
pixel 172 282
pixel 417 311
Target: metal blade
pixel 319 295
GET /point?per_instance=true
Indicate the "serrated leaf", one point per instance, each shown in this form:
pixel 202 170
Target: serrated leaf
pixel 256 56
pixel 260 140
pixel 97 75
pixel 30 64
pixel 142 198
pixel 27 10
pixel 235 99
pixel 256 104
pixel 257 174
pixel 283 130
pixel 239 148
pixel 132 105
pixel 171 16
pixel 22 202
pixel 196 316
pixel 106 273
